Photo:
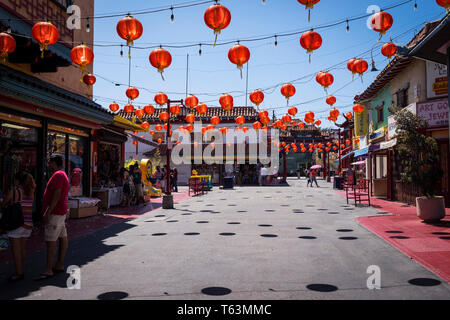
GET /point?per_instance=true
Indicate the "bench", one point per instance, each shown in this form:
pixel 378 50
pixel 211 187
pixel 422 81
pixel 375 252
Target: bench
pixel 348 187
pixel 196 186
pixel 361 191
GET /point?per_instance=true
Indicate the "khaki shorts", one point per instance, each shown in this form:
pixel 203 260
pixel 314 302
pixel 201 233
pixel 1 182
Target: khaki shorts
pixel 55 228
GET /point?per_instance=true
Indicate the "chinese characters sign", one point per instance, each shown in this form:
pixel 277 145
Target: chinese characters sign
pixel 436 80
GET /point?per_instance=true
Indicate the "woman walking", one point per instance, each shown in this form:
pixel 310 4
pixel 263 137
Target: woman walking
pixel 23 194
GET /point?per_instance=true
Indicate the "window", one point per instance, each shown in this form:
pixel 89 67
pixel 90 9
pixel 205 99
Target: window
pixel 380 114
pixel 402 97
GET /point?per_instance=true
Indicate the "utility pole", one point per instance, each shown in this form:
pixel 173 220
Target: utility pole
pixel 168 197
pixel 187 75
pixel 246 88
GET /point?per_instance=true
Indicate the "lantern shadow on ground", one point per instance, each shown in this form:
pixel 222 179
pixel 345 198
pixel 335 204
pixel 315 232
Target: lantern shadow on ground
pixel 321 287
pixel 81 251
pixel 113 295
pixel 216 291
pixel 424 282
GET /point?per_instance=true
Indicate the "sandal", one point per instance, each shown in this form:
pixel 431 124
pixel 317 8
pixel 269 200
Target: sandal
pixel 43 276
pixel 16 277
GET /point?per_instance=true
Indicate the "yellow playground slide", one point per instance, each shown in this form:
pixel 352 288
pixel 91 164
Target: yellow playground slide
pixel 147 170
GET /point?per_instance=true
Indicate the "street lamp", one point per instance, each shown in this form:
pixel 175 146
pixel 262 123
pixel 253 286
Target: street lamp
pixel 168 197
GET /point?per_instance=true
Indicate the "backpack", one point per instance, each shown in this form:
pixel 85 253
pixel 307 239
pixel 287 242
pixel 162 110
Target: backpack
pixel 12 215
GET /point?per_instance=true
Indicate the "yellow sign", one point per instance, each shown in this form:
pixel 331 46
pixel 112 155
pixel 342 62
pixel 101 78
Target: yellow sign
pixel 362 123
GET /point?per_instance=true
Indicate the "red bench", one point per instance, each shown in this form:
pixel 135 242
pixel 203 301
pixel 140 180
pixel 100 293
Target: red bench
pixel 196 186
pixel 361 192
pixel 348 187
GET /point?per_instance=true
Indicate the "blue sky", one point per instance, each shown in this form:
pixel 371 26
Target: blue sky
pixel 212 74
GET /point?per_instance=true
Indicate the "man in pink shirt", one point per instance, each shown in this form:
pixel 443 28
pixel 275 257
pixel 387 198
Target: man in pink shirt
pixel 55 210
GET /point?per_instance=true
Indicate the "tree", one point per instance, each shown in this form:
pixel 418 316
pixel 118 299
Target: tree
pixel 419 153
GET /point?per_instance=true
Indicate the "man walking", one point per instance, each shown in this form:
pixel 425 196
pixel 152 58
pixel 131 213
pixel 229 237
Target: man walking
pixel 308 177
pixel 263 175
pixel 55 210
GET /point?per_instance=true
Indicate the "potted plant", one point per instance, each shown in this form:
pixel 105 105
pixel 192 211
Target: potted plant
pixel 419 156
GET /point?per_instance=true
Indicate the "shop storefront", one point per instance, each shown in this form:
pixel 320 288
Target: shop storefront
pixel 39 120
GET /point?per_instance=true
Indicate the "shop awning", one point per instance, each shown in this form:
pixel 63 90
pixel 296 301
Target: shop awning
pixel 126 124
pixel 348 155
pixel 362 152
pixel 358 163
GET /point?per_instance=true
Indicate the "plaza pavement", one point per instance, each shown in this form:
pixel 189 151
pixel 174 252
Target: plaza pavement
pixel 287 242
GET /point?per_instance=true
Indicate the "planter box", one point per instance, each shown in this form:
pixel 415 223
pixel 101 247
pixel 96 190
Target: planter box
pixel 76 213
pixel 430 209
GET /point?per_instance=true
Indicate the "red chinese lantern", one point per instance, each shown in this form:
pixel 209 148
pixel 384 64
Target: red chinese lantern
pixel 149 109
pixel 389 50
pixel 286 118
pixel 293 123
pixel 145 125
pixel 132 93
pixel 89 79
pixel 310 41
pixel 357 108
pixel 293 111
pixel 129 108
pixel 82 55
pixel 190 118
pixel 331 100
pixel 210 127
pixel 201 109
pixel 165 127
pixel 217 17
pixel 257 97
pixel 152 132
pixel 309 5
pixel 161 99
pixel 240 120
pixel 45 34
pixel 257 125
pixel 159 141
pixel 360 66
pixel 357 140
pixel 318 123
pixel 191 101
pixel 189 127
pixel 164 116
pixel 288 91
pixel 444 3
pixel 301 125
pixel 7 45
pixel 349 115
pixel 160 59
pixel 325 79
pixel 265 120
pixel 350 65
pixel 263 114
pixel 381 22
pixel 139 113
pixel 175 110
pixel 245 129
pixel 226 101
pixel 215 120
pixel 348 142
pixel 334 113
pixel 158 127
pixel 334 148
pixel 309 117
pixel 114 107
pixel 130 29
pixel 135 143
pixel 239 55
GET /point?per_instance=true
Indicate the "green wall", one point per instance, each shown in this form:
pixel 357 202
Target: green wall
pixel 384 95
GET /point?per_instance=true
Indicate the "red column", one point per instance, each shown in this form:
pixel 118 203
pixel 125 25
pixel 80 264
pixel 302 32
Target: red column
pixel 324 167
pixel 389 176
pixel 285 166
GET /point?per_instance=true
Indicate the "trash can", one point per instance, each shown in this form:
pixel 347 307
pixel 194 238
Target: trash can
pixel 228 183
pixel 337 182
